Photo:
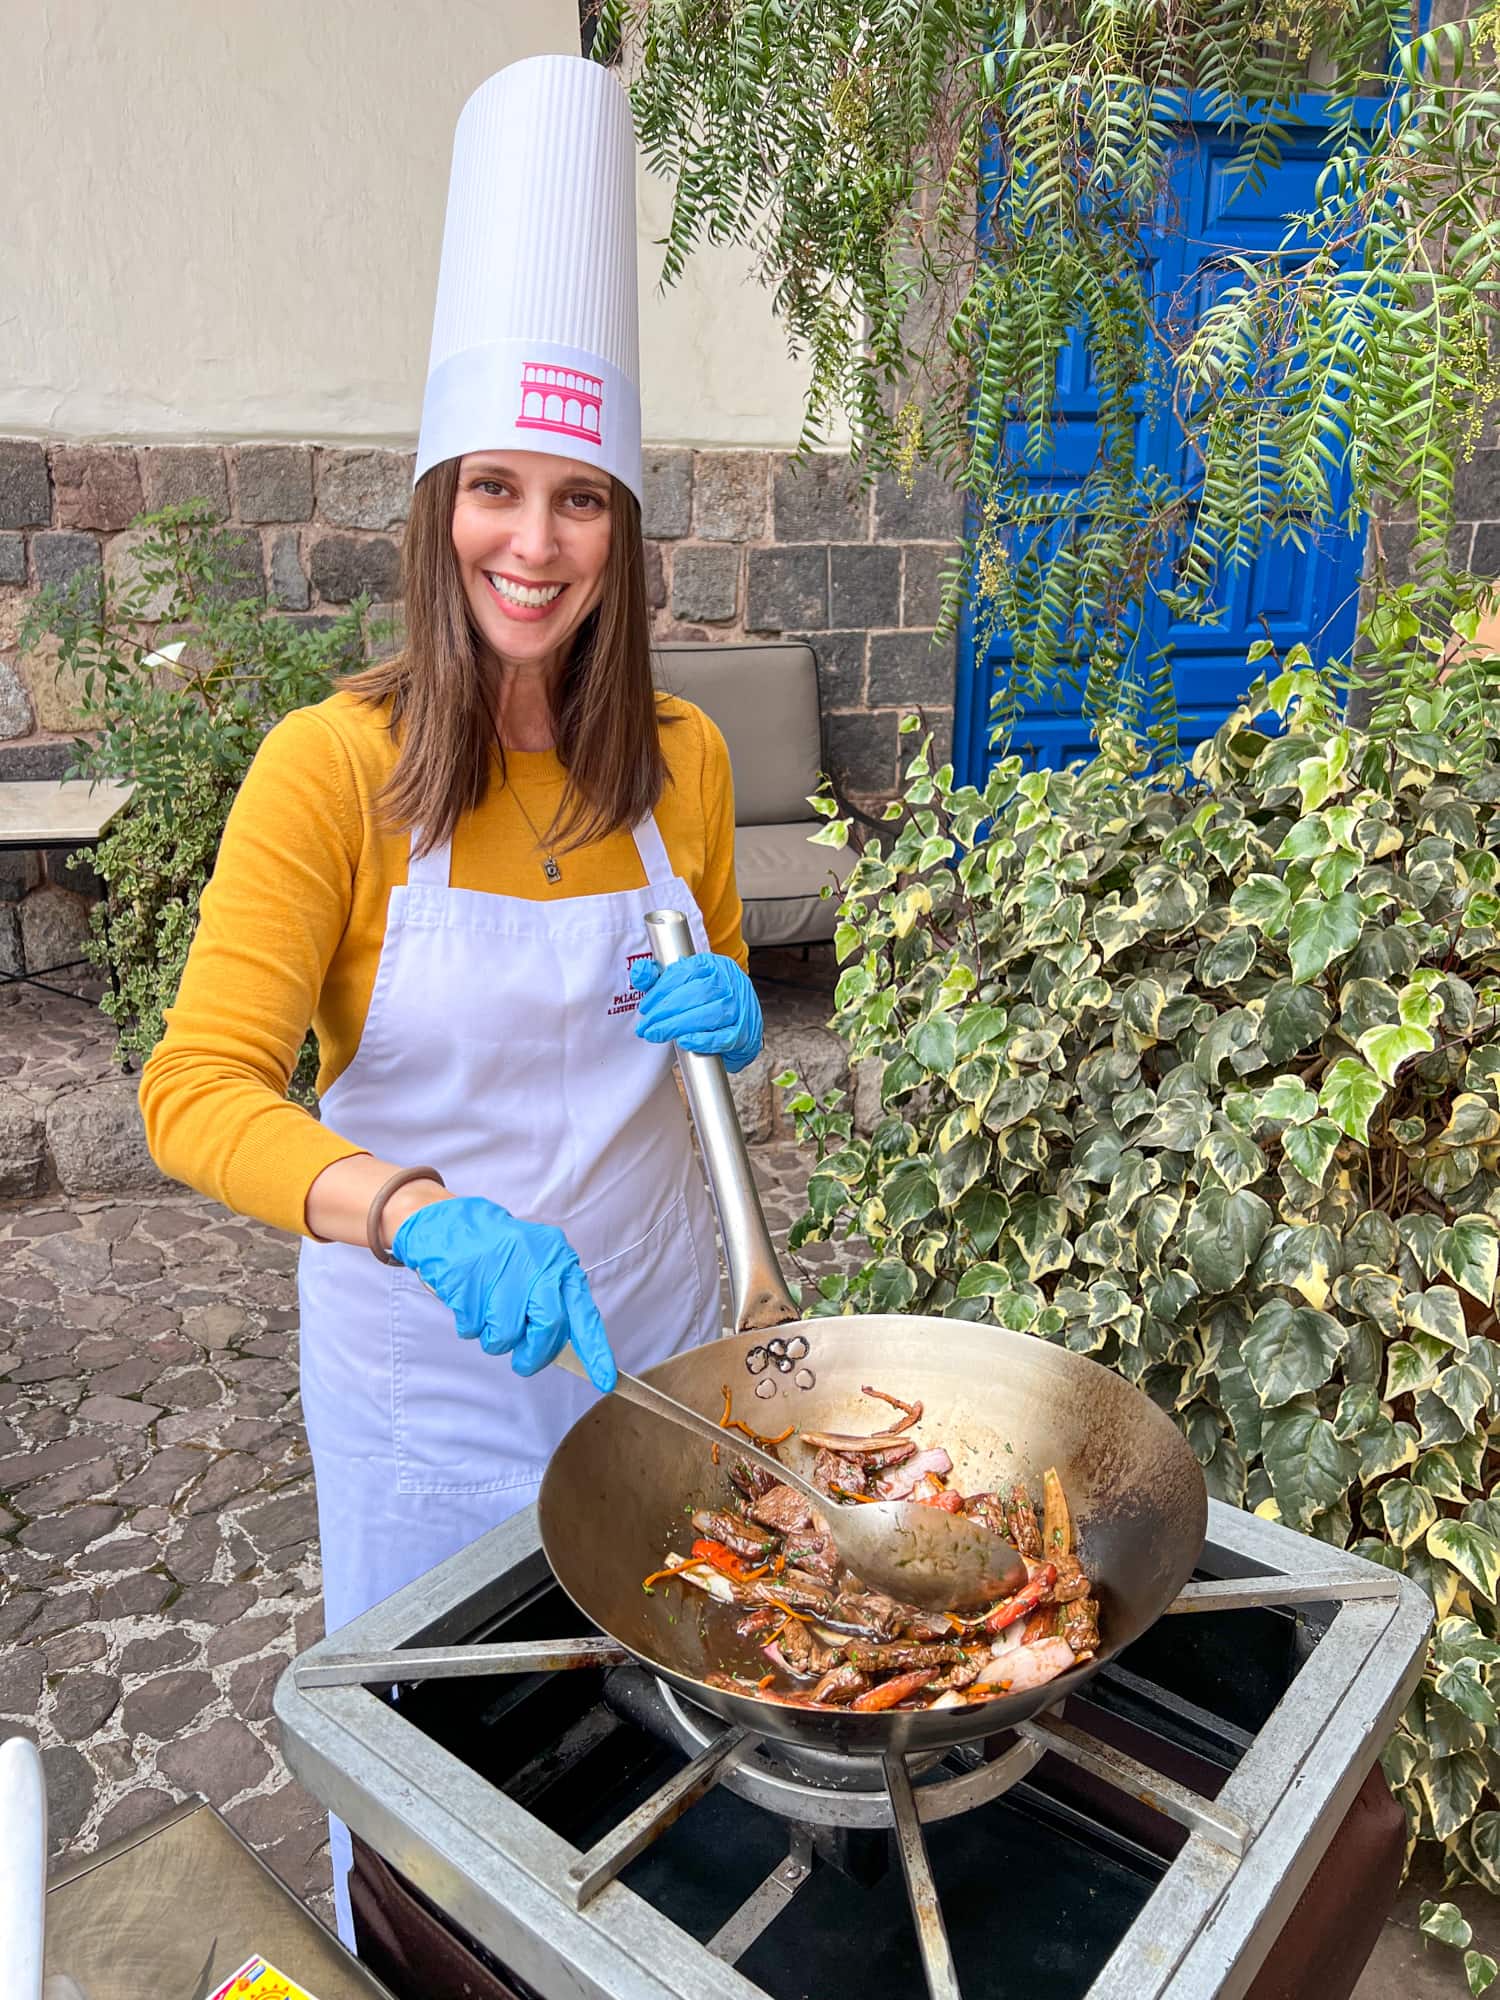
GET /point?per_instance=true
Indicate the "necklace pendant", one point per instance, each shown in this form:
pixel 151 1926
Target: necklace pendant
pixel 550 869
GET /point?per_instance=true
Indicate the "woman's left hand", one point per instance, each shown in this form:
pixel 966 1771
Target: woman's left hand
pixel 705 1004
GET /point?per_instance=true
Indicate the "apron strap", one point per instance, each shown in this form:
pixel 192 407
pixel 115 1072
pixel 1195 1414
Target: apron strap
pixel 429 870
pixel 652 849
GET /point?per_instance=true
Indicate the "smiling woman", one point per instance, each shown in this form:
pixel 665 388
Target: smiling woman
pixel 446 868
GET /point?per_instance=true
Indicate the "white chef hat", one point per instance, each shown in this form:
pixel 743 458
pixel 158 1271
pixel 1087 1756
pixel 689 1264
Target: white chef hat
pixel 535 339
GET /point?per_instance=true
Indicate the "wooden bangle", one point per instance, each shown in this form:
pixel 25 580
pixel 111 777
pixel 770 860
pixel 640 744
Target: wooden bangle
pixel 383 1195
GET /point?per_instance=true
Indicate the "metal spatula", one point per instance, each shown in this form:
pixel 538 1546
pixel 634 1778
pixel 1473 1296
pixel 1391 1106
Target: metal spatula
pixel 916 1554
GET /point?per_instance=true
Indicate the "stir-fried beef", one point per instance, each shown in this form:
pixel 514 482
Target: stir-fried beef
pixel 782 1510
pixel 827 1641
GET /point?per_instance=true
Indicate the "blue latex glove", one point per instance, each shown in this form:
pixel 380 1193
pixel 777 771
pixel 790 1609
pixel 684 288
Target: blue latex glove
pixel 704 1004
pixel 517 1287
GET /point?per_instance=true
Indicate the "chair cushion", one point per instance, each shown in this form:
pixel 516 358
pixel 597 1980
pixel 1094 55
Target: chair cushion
pixel 765 700
pixel 780 875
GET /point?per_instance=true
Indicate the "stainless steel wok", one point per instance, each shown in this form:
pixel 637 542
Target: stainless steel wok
pixel 1002 1404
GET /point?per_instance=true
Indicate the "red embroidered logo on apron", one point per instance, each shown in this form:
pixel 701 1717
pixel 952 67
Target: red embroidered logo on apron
pixel 561 399
pixel 629 1000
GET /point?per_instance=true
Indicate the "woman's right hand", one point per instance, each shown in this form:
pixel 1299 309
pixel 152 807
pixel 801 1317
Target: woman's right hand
pixel 517 1287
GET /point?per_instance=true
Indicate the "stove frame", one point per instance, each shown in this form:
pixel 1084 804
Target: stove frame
pixel 564 1923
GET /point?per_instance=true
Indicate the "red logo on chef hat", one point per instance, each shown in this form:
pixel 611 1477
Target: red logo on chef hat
pixel 564 400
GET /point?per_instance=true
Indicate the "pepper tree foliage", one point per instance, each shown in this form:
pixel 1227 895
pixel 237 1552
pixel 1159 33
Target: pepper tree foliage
pixel 1200 1076
pixel 943 194
pixel 181 667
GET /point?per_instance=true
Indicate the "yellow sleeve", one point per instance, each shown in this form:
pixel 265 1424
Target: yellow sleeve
pixel 213 1093
pixel 719 900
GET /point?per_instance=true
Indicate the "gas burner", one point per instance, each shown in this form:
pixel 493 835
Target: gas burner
pixel 824 1788
pixel 596 1835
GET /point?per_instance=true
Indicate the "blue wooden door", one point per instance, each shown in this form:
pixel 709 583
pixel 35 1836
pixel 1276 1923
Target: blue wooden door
pixel 1289 595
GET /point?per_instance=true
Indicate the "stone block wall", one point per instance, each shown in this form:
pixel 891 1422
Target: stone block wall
pixel 740 545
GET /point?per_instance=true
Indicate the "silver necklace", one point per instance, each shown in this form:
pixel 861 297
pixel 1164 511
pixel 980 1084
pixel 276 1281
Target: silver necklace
pixel 549 861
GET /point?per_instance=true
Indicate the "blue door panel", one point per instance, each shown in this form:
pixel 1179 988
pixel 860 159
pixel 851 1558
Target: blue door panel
pixel 1210 214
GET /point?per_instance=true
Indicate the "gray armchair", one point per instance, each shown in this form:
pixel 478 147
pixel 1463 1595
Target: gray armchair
pixel 765 700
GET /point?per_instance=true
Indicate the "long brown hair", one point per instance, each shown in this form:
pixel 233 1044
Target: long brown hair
pixel 444 689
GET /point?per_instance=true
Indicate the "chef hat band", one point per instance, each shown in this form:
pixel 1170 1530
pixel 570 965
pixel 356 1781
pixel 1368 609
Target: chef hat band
pixel 535 338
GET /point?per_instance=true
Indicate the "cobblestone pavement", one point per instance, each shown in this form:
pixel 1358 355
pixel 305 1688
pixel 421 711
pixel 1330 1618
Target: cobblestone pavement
pixel 157 1530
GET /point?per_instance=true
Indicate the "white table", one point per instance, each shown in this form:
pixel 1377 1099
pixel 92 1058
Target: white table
pixel 57 812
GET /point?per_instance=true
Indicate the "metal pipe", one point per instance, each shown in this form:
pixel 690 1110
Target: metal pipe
pixel 23 1867
pixel 444 1663
pixel 757 1291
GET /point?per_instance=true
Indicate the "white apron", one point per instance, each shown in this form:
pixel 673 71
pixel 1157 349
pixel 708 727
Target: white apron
pixel 500 1048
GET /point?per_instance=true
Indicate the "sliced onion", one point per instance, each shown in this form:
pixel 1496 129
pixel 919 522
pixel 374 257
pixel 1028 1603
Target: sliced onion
pixel 1010 1637
pixel 709 1580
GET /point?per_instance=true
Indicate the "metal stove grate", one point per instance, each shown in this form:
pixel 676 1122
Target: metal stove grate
pixel 556 1912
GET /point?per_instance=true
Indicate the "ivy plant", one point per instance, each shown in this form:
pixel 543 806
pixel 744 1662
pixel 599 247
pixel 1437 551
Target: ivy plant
pixel 181 668
pixel 1199 1075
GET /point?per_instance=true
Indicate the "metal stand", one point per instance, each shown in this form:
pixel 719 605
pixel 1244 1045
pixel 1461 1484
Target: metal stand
pixel 1249 1853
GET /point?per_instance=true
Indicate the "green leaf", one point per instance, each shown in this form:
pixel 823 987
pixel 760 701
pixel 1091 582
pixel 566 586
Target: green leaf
pixel 1288 1100
pixel 1480 1970
pixel 1310 1469
pixel 1438 1311
pixel 934 1043
pixel 1235 1159
pixel 909 1192
pixel 981 1214
pixel 1264 902
pixel 1350 1095
pixel 1311 1147
pixel 1452 1787
pixel 1472 1551
pixel 961 1167
pixel 1436 1473
pixel 983 1281
pixel 1386 1049
pixel 1293 1019
pixel 1178 1124
pixel 1039 1230
pixel 892 1286
pixel 1407 1511
pixel 1412 1366
pixel 1322 932
pixel 1444 1922
pixel 1221 1234
pixel 1470 1253
pixel 1290 1351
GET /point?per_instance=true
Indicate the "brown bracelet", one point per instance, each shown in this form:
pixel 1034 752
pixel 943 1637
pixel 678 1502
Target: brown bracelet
pixel 383 1195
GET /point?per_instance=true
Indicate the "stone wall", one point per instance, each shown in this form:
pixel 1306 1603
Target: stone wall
pixel 740 544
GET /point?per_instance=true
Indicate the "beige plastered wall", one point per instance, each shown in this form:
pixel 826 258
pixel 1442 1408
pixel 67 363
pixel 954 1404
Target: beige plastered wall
pixel 223 222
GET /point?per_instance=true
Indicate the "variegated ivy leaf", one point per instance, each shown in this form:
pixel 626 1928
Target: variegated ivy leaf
pixel 1359 1410
pixel 934 1044
pixel 1484 1848
pixel 1290 1351
pixel 893 1286
pixel 1445 1922
pixel 1440 1422
pixel 1371 1292
pixel 1288 1100
pixel 1320 932
pixel 1039 1229
pixel 1386 1049
pixel 1227 962
pixel 1451 1788
pixel 1471 1550
pixel 910 1192
pixel 1436 1472
pixel 1350 1093
pixel 1310 1469
pixel 911 904
pixel 1311 1148
pixel 1301 1257
pixel 1470 1253
pixel 981 1215
pixel 1154 1226
pixel 1480 1970
pixel 1017 1310
pixel 1463 1686
pixel 979 1028
pixel 1439 1312
pixel 1472 1121
pixel 1385 1448
pixel 1236 1160
pixel 1408 1511
pixel 974 1081
pixel 1221 1233
pixel 1177 1123
pixel 1420 1002
pixel 966 1163
pixel 983 1281
pixel 1264 903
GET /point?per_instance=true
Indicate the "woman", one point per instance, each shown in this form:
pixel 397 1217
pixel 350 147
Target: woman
pixel 446 869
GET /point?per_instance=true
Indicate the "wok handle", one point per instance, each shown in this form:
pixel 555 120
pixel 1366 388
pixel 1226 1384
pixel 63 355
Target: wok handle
pixel 757 1291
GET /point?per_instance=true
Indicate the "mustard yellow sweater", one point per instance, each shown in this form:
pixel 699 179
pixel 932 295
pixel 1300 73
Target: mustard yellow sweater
pixel 292 924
